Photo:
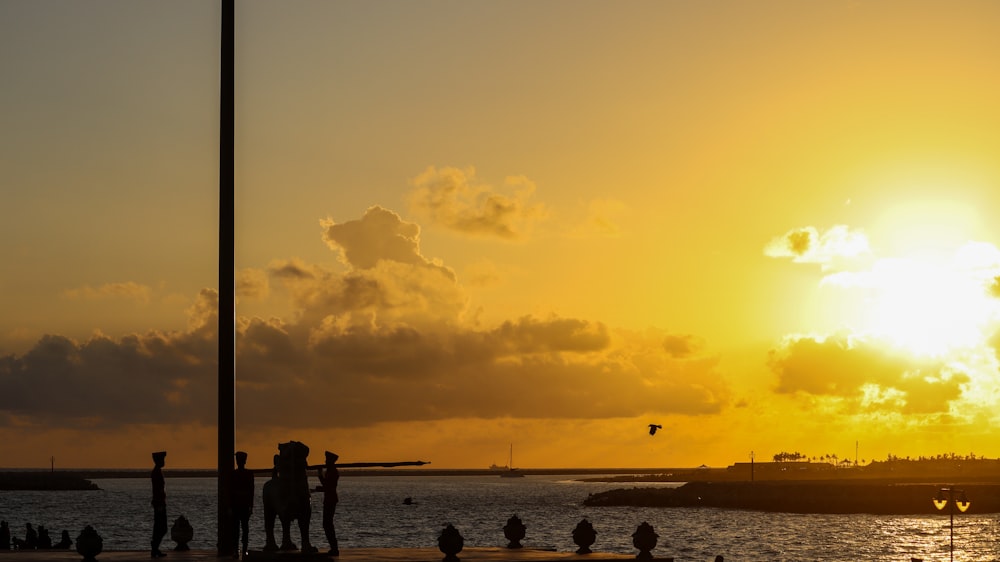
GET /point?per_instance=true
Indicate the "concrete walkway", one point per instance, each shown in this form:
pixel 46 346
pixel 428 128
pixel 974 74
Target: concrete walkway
pixel 346 554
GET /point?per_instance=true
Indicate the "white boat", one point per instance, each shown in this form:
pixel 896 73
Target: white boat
pixel 511 472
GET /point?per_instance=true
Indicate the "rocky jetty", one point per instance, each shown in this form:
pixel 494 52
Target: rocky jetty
pixel 44 481
pixel 816 496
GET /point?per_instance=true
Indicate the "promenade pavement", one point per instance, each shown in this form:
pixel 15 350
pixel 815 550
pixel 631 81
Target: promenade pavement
pixel 495 554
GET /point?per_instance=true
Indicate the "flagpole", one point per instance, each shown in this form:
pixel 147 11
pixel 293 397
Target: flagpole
pixel 227 268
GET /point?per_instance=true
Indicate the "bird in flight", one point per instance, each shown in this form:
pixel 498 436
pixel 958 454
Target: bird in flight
pixel 653 427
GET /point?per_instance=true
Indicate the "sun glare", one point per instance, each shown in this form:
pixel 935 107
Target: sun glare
pixel 928 305
pixel 925 307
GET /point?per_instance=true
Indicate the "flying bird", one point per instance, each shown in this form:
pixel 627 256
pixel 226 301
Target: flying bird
pixel 653 427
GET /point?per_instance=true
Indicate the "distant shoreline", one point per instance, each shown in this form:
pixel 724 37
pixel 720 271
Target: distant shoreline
pixel 106 473
pixel 898 472
pixel 83 479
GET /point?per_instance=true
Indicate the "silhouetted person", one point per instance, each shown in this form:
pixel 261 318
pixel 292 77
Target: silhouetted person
pixel 241 503
pixel 30 541
pixel 328 480
pixel 653 427
pixel 159 505
pixel 4 536
pixel 64 541
pixel 44 540
pixel 270 508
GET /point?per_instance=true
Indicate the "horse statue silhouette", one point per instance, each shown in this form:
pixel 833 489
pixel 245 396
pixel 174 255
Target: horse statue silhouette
pixel 286 496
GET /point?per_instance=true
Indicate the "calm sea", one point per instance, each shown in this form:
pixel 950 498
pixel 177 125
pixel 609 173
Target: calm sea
pixel 371 513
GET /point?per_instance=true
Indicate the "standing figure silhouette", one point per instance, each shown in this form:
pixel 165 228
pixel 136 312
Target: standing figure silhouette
pixel 328 481
pixel 241 503
pixel 159 505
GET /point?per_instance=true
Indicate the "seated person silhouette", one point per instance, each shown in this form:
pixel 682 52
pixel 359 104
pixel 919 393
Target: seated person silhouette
pixel 44 540
pixel 30 541
pixel 64 541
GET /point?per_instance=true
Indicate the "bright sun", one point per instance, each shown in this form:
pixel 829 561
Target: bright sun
pixel 928 308
pixel 929 305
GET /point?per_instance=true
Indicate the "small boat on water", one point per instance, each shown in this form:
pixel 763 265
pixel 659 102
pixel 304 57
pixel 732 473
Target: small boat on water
pixel 511 472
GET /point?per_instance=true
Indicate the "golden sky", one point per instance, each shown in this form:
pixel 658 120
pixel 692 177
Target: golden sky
pixel 768 226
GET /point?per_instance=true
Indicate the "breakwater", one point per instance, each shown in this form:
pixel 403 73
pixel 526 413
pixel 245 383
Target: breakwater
pixel 815 496
pixel 45 481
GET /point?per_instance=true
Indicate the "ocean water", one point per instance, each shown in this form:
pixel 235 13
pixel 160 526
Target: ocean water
pixel 371 513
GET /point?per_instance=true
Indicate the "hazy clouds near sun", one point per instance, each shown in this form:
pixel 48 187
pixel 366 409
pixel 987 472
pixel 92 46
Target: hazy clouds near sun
pixel 809 245
pixel 867 375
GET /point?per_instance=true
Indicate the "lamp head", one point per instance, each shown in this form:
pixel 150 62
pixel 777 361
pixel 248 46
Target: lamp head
pixel 963 503
pixel 940 500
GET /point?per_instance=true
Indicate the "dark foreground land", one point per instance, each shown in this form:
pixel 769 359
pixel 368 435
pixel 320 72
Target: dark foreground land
pixel 803 496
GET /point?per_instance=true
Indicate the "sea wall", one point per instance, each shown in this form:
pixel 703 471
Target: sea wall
pixel 801 497
pixel 45 481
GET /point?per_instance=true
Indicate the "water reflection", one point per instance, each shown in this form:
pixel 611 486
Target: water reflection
pixel 372 513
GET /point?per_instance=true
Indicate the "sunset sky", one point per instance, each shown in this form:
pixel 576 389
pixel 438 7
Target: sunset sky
pixel 767 226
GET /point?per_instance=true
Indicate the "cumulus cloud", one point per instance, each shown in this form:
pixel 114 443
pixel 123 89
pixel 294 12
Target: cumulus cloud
pixel 155 377
pixel 381 341
pixel 680 345
pixel 809 245
pixel 291 270
pixel 125 290
pixel 866 374
pixel 379 235
pixel 456 200
pixel 252 283
pixel 303 376
pixel 530 367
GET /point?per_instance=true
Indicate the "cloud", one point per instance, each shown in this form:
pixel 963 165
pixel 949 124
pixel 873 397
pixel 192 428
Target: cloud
pixel 291 270
pixel 379 235
pixel 155 377
pixel 252 283
pixel 680 345
pixel 869 375
pixel 341 375
pixel 454 199
pixel 530 368
pixel 482 273
pixel 809 245
pixel 602 219
pixel 384 340
pixel 127 290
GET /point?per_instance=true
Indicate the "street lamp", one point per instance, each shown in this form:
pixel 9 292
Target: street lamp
pixel 946 498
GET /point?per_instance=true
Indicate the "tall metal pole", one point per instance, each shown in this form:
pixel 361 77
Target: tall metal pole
pixel 951 525
pixel 227 268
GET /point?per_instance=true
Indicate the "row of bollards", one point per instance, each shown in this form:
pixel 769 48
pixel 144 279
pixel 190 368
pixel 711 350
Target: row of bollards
pixel 584 535
pixel 89 544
